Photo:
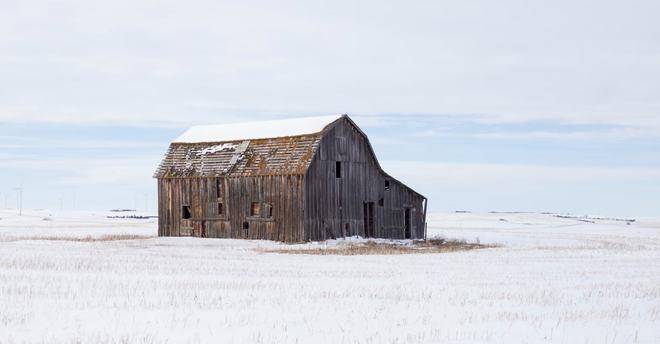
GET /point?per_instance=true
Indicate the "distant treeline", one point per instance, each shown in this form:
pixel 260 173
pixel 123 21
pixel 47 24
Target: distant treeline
pixel 582 218
pixel 139 217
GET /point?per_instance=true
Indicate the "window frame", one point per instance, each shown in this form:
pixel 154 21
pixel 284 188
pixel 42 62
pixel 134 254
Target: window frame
pixel 260 211
pixel 255 209
pixel 268 210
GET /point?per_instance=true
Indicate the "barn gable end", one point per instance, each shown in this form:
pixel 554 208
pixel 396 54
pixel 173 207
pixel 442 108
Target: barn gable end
pixel 363 200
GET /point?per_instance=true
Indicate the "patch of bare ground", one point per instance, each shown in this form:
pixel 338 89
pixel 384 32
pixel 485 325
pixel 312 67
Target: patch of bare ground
pixel 110 237
pixel 436 245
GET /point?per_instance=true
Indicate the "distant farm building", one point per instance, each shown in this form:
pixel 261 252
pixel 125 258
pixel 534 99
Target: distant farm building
pixel 293 180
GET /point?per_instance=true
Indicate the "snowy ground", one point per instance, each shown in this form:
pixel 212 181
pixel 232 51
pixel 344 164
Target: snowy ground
pixel 553 280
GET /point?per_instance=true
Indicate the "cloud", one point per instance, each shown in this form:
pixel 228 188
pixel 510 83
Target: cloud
pixel 11 142
pixel 435 175
pixel 624 191
pixel 611 134
pixel 85 170
pixel 426 133
pixel 175 63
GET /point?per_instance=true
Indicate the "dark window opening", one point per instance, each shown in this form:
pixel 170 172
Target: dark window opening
pixel 185 212
pixel 255 209
pixel 246 225
pixel 381 202
pixel 338 169
pixel 387 184
pixel 220 209
pixel 268 210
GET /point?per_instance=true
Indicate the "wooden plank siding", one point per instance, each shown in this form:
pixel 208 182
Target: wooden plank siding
pixel 284 193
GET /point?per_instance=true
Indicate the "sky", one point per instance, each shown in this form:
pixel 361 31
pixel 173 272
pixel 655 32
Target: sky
pixel 479 105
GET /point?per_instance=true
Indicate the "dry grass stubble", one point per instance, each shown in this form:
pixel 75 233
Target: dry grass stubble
pixel 109 237
pixel 435 245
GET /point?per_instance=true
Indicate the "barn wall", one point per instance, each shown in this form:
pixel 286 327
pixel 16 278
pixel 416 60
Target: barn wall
pixel 284 193
pixel 334 206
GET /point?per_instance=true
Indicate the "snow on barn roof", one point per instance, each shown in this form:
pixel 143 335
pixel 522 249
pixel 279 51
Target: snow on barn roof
pixel 256 130
pixel 245 149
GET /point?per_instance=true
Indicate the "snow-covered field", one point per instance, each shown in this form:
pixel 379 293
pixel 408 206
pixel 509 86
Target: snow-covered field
pixel 553 280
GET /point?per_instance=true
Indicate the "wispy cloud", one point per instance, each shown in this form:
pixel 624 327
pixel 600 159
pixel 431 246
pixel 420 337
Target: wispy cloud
pixel 477 174
pixel 625 191
pixel 610 134
pixel 428 133
pixel 152 64
pixel 85 170
pixel 14 142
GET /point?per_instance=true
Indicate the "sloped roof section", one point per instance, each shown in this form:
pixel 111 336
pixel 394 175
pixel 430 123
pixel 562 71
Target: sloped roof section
pixel 256 130
pixel 281 147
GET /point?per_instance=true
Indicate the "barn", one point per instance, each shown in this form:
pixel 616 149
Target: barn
pixel 293 180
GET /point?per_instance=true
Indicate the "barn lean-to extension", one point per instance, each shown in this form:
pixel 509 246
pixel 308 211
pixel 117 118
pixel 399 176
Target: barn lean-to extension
pixel 295 180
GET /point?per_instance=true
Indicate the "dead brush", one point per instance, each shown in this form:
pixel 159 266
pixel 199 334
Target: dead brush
pixel 102 238
pixel 433 245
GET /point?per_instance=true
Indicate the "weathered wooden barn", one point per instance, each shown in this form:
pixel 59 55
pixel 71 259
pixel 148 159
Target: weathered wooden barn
pixel 295 180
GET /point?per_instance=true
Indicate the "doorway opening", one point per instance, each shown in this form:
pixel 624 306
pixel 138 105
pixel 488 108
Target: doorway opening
pixel 368 210
pixel 408 223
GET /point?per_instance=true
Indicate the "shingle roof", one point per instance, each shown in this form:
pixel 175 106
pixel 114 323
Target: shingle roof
pixel 215 151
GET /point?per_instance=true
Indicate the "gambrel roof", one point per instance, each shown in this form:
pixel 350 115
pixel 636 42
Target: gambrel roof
pixel 277 147
pixel 245 149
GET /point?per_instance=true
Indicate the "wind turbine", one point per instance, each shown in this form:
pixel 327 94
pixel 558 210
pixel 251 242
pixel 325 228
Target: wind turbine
pixel 7 194
pixel 19 199
pixel 146 201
